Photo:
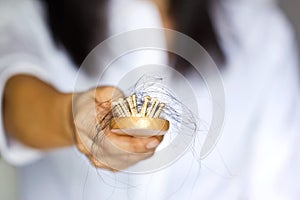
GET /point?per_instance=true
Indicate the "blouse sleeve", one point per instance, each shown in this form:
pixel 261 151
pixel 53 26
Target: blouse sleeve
pixel 22 45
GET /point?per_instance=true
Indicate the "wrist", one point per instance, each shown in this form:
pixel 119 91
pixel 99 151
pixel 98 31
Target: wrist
pixel 66 118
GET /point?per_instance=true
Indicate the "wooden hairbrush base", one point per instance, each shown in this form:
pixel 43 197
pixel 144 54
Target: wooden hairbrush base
pixel 139 126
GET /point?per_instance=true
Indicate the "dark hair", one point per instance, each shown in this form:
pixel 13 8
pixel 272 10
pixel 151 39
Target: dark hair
pixel 79 25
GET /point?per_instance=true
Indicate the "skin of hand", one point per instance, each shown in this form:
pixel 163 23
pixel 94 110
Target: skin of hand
pixel 105 149
pixel 39 116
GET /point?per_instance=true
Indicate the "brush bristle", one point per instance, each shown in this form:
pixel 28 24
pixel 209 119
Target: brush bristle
pixel 127 107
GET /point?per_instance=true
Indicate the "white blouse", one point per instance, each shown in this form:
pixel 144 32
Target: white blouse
pixel 256 157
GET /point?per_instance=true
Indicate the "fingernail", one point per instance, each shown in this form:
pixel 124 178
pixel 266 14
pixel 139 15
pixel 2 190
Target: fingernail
pixel 152 144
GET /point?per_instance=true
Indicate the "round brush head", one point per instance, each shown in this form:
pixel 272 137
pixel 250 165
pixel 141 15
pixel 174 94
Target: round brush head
pixel 143 120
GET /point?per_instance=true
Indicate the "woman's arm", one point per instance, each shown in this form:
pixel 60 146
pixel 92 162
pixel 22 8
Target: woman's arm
pixel 39 116
pixel 36 114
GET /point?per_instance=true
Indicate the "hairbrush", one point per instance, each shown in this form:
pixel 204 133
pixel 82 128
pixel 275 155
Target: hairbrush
pixel 138 120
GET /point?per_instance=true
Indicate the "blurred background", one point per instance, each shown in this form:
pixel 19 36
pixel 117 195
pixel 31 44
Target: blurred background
pixel 8 180
pixel 291 8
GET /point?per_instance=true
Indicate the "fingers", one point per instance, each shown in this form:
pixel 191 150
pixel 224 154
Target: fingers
pixel 133 144
pixel 116 152
pixel 103 97
pixel 103 148
pixel 84 144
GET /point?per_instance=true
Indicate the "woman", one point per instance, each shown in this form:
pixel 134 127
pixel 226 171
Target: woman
pixel 251 75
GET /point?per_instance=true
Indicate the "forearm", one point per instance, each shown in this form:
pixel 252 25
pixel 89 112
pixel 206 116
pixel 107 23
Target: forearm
pixel 37 114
